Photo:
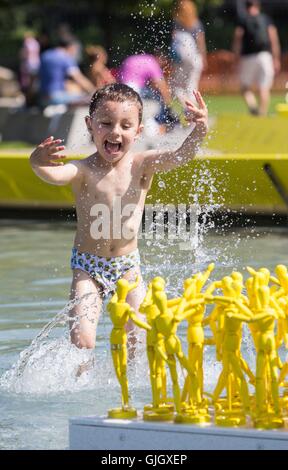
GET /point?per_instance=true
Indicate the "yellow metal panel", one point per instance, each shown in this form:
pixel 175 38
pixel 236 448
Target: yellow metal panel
pixel 233 133
pixel 235 181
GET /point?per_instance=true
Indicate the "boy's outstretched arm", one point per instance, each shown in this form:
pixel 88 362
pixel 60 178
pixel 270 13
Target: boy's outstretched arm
pixel 158 161
pixel 45 162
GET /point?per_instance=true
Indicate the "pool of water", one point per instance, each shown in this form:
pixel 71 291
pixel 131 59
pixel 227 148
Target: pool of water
pixel 37 400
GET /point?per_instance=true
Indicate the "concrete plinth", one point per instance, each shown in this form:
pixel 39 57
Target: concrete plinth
pixel 96 433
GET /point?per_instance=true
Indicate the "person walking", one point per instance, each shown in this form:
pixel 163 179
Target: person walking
pixel 257 49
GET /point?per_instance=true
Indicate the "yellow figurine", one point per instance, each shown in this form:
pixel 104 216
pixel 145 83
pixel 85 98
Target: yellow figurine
pixel 282 275
pixel 282 337
pixel 261 278
pixel 120 312
pixel 282 331
pixel 202 278
pixel 196 411
pixel 268 413
pixel 217 316
pixel 282 295
pixel 160 410
pixel 166 324
pixel 233 363
pixel 266 273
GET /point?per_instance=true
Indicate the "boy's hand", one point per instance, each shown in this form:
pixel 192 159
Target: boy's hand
pixel 47 152
pixel 198 114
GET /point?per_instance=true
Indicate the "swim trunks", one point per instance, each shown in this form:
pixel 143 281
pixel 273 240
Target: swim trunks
pixel 105 271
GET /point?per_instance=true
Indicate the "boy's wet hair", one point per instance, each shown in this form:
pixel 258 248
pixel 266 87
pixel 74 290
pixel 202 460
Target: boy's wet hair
pixel 115 92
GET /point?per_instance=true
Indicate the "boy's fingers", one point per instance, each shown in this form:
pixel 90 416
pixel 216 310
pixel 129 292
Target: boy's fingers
pixel 47 141
pixel 195 114
pixel 199 99
pixel 55 148
pixel 53 142
pixel 191 105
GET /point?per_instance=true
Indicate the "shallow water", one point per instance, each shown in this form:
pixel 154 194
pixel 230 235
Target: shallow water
pixel 35 279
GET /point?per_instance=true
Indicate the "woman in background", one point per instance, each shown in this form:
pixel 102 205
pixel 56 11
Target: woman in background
pixel 99 73
pixel 188 50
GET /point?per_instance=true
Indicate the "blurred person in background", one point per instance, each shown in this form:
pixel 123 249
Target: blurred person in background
pixel 257 49
pixel 99 74
pixel 65 33
pixel 143 73
pixel 58 65
pixel 29 67
pixel 188 50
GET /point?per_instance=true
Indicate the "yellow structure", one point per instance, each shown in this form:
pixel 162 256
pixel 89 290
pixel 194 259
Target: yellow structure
pixel 264 309
pixel 253 182
pixel 232 376
pixel 120 312
pixel 166 324
pixel 161 409
pixel 196 409
pixel 282 109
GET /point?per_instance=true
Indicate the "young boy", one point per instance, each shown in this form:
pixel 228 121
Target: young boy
pixel 113 180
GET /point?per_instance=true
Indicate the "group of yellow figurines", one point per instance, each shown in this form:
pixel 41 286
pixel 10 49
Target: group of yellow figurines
pixel 262 303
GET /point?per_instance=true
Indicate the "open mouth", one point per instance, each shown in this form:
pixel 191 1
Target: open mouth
pixel 112 147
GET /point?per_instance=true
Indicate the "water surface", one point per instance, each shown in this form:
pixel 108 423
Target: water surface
pixel 35 279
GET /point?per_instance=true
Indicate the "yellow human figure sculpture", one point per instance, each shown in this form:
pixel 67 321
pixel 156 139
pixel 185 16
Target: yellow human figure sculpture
pixel 216 318
pixel 202 278
pixel 160 410
pixel 282 296
pixel 232 371
pixel 192 286
pixel 237 294
pixel 120 312
pixel 195 338
pixel 231 287
pixel 266 273
pixel 166 324
pixel 282 336
pixel 261 278
pixel 282 328
pixel 268 413
pixel 282 275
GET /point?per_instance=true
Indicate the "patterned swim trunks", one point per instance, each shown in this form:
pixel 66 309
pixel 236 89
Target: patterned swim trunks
pixel 105 271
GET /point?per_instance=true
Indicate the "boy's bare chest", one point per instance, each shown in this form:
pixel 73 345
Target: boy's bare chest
pixel 105 187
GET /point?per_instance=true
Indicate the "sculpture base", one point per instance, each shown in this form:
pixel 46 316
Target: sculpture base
pixel 88 433
pixel 161 408
pixel 158 414
pixel 230 418
pixel 122 413
pixel 193 417
pixel 269 421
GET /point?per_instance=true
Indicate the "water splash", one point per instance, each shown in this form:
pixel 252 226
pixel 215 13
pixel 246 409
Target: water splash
pixel 49 364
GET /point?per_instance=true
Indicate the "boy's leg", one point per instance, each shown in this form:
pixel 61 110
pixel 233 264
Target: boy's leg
pixel 134 298
pixel 86 312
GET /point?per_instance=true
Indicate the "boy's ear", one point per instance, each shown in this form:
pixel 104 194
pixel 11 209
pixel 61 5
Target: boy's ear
pixel 139 131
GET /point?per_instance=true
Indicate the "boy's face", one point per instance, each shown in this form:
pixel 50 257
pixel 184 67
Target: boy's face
pixel 114 128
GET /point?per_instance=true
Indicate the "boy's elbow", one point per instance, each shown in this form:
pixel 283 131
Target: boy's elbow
pixel 50 179
pixel 59 183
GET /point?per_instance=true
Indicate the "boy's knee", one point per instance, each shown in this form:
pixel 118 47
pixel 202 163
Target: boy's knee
pixel 83 341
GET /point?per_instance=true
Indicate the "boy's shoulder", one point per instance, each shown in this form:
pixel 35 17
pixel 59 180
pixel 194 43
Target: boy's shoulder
pixel 86 162
pixel 141 159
